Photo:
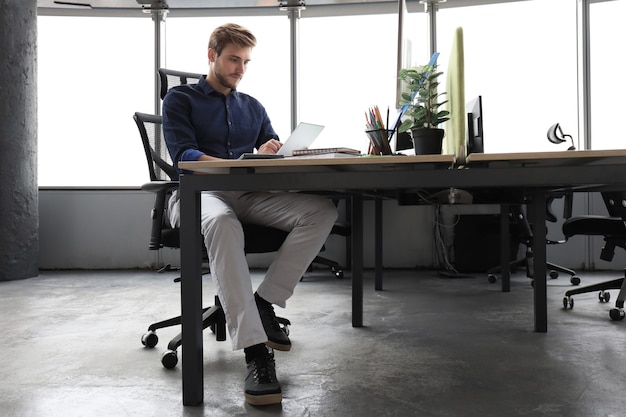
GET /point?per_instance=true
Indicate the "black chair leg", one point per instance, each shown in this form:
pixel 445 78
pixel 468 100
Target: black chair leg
pixel 527 262
pixel 335 268
pixel 615 284
pixel 555 269
pixel 491 273
pixel 604 296
pixel 212 317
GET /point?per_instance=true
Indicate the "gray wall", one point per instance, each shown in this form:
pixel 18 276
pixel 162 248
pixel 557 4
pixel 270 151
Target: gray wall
pixel 108 229
pixel 104 229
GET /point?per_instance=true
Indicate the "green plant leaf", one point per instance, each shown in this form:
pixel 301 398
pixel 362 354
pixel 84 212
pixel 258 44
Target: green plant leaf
pixel 423 110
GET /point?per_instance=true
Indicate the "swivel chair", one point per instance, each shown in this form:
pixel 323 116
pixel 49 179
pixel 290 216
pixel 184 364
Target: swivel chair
pixel 257 238
pixel 524 227
pixel 613 228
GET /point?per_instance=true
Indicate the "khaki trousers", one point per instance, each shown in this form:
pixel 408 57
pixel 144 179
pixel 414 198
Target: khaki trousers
pixel 308 219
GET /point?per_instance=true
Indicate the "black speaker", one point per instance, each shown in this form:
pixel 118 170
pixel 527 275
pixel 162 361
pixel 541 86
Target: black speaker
pixel 477 242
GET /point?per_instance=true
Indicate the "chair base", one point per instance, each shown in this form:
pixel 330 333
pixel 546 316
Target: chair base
pixel 616 313
pixel 335 268
pixel 212 318
pixel 527 262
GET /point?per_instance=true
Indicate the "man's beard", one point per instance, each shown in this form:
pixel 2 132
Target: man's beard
pixel 224 81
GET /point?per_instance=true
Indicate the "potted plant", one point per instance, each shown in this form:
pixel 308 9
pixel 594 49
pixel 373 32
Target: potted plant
pixel 423 114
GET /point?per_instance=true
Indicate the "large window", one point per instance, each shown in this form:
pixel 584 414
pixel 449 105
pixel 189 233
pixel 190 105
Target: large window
pixel 521 58
pixel 347 65
pixel 608 88
pixel 93 74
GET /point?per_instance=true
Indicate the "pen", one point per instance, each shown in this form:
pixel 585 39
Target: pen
pixel 387 126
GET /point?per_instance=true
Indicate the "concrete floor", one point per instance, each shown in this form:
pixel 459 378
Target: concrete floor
pixel 431 346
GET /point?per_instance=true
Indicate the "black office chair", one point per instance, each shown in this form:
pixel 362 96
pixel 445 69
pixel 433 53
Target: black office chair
pixel 258 239
pixel 613 228
pixel 170 78
pixel 525 235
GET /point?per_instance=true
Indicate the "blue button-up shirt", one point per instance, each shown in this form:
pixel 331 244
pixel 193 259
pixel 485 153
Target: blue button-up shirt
pixel 199 120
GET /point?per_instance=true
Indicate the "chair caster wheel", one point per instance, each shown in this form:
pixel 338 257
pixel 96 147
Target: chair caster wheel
pixel 574 280
pixel 492 278
pixel 554 274
pixel 617 314
pixel 568 302
pixel 150 339
pixel 169 359
pixel 338 274
pixel 604 296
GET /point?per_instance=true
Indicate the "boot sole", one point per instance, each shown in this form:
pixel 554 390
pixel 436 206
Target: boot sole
pixel 277 346
pixel 267 399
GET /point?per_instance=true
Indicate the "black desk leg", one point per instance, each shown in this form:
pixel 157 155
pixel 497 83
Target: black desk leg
pixel 378 244
pixel 539 261
pixel 191 295
pixel 357 260
pixel 505 247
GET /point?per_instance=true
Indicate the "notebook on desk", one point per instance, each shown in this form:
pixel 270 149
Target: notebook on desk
pixel 301 138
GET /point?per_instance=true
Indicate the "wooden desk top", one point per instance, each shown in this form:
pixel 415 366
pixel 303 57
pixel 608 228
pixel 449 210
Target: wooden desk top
pixel 317 162
pixel 559 158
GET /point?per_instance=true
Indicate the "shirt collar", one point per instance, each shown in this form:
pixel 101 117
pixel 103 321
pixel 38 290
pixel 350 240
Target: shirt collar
pixel 207 89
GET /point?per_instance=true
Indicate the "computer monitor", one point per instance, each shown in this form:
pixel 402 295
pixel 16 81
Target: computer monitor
pixel 474 110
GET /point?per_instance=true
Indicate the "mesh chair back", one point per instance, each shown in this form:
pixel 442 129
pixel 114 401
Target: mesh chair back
pixel 160 165
pixel 615 202
pixel 171 78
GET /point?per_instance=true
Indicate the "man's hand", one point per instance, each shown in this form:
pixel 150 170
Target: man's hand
pixel 270 147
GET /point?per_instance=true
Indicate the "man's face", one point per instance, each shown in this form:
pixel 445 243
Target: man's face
pixel 230 66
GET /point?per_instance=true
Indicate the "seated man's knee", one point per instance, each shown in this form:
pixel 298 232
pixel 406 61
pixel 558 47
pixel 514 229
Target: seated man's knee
pixel 222 223
pixel 327 211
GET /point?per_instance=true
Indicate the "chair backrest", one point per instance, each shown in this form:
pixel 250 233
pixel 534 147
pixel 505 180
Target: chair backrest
pixel 568 201
pixel 171 78
pixel 615 202
pixel 160 165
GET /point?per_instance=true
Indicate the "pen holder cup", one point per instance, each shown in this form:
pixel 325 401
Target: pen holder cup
pixel 379 141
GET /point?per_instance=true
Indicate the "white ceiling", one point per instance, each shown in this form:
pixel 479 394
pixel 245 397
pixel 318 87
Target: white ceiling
pixel 172 5
pixel 189 4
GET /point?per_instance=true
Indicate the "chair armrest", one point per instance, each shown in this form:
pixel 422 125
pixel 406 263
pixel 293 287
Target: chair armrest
pixel 156 186
pixel 162 189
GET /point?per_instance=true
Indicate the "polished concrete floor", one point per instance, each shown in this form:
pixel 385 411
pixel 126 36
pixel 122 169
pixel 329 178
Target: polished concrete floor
pixel 430 346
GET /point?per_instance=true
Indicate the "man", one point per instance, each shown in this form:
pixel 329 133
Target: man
pixel 212 120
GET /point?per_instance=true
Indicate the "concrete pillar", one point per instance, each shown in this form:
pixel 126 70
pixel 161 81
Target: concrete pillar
pixel 19 211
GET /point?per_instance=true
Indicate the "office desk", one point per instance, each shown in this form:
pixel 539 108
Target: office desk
pixel 534 174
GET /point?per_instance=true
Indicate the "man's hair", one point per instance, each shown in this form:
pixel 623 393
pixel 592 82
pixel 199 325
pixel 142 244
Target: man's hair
pixel 231 33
